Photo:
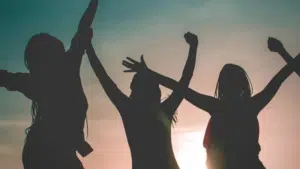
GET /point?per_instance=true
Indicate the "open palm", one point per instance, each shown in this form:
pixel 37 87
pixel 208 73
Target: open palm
pixel 133 65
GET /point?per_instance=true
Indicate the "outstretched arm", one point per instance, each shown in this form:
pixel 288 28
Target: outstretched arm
pixel 16 82
pixel 207 103
pixel 80 41
pixel 113 92
pixel 173 101
pixel 288 58
pixel 260 100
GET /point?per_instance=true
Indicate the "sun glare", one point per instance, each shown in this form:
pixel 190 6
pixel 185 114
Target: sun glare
pixel 191 154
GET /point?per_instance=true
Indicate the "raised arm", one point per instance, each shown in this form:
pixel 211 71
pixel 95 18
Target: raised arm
pixel 260 100
pixel 173 101
pixel 276 46
pixel 113 92
pixel 16 82
pixel 80 41
pixel 88 16
pixel 207 103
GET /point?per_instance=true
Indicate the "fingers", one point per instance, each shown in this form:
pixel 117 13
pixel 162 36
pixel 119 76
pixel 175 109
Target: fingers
pixel 189 34
pixel 128 71
pixel 132 60
pixel 272 38
pixel 126 64
pixel 142 60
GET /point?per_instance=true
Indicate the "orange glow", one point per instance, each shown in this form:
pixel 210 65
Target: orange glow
pixel 191 153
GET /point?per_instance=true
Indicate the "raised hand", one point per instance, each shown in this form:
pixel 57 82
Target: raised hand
pixel 191 39
pixel 88 16
pixel 275 45
pixel 133 65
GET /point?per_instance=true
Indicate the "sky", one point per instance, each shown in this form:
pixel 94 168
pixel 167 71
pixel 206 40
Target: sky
pixel 229 31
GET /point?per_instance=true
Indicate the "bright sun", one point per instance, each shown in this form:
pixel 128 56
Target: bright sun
pixel 191 154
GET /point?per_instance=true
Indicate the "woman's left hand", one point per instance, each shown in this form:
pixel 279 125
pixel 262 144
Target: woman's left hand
pixel 133 65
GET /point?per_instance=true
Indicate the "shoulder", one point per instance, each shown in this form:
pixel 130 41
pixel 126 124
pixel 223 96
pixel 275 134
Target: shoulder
pixel 126 109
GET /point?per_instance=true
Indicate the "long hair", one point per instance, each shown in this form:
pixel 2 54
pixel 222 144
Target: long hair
pixel 40 49
pixel 232 73
pixel 34 117
pixel 174 117
pixel 145 85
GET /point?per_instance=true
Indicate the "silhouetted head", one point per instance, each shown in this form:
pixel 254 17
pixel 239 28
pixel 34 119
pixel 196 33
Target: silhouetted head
pixel 42 54
pixel 145 89
pixel 233 83
pixel 42 58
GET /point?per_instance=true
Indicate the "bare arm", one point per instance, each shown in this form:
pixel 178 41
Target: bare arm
pixel 16 82
pixel 288 59
pixel 173 101
pixel 207 103
pixel 113 92
pixel 79 41
pixel 260 100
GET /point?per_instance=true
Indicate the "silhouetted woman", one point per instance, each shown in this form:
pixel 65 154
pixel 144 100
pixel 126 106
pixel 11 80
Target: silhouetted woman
pixel 146 120
pixel 232 136
pixel 59 104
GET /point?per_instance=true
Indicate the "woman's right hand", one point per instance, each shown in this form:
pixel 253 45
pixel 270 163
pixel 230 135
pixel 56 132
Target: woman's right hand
pixel 134 66
pixel 274 45
pixel 191 39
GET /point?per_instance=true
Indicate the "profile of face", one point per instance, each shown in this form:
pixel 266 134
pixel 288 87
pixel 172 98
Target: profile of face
pixel 144 89
pixel 233 83
pixel 43 55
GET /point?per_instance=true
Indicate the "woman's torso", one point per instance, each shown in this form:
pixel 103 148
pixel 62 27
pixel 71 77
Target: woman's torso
pixel 62 110
pixel 235 129
pixel 149 137
pixel 231 139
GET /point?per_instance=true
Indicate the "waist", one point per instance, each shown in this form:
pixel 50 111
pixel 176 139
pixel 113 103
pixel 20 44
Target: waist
pixel 153 156
pixel 55 135
pixel 155 162
pixel 62 143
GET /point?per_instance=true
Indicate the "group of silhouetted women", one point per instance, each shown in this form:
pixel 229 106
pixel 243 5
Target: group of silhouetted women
pixel 59 105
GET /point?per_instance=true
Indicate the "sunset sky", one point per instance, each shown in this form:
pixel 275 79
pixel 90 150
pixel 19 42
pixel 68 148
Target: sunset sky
pixel 229 31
